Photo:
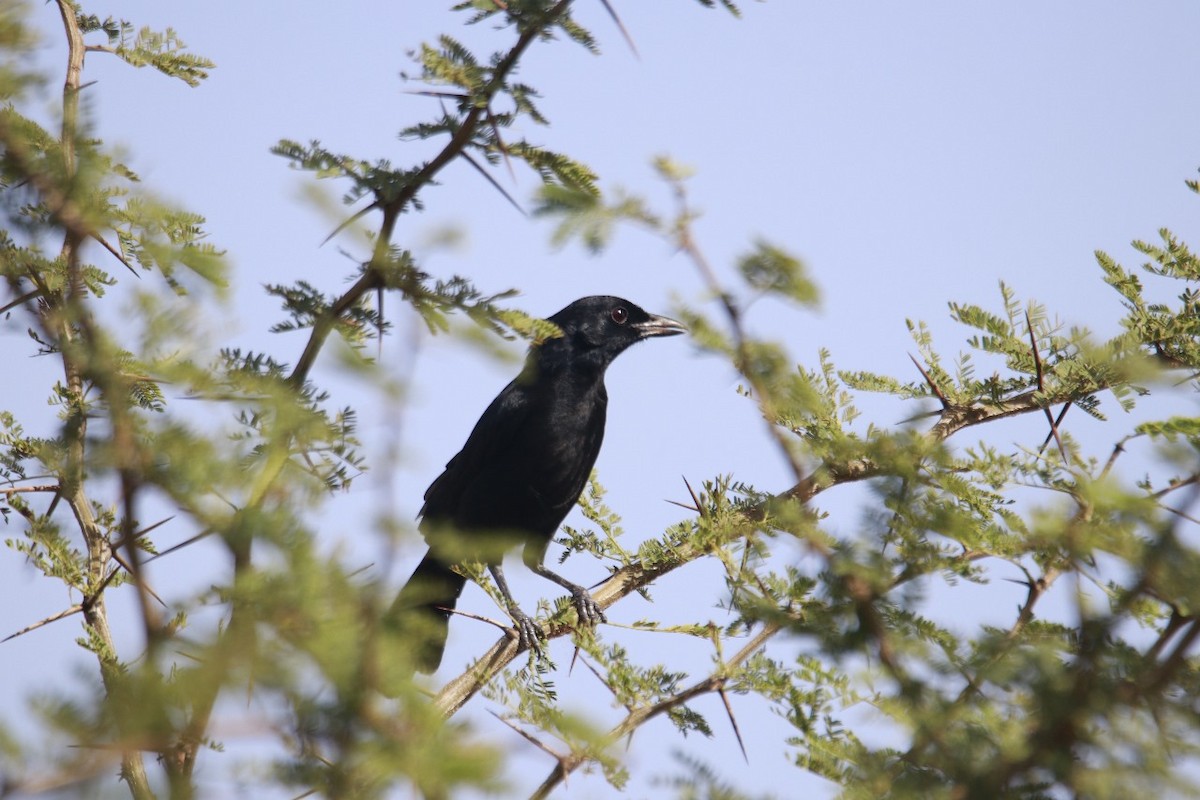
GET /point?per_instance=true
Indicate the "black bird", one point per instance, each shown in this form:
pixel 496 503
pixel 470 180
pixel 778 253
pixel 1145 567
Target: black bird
pixel 522 468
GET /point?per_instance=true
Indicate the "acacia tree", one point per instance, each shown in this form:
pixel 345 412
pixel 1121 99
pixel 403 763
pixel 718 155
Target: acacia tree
pixel 1099 702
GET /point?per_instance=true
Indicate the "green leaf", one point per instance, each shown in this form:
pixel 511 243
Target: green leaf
pixel 769 268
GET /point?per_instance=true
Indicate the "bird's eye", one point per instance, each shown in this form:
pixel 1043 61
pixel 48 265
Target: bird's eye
pixel 619 315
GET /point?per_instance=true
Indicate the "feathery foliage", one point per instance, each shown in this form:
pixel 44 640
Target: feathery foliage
pixel 243 449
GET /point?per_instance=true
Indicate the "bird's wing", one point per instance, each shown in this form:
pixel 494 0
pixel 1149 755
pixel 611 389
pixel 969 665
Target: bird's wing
pixel 495 432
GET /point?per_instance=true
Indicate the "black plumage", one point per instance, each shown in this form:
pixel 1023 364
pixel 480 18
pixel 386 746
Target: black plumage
pixel 520 471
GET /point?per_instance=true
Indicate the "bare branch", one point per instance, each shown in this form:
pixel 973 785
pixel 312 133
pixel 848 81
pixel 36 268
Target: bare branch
pixel 75 609
pixel 45 487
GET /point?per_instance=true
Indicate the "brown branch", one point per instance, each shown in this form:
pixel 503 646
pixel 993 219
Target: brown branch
pixel 1179 513
pixel 25 298
pixel 1117 450
pixel 742 361
pixel 1041 385
pixel 612 12
pixel 392 207
pixel 864 597
pixel 185 543
pixel 1037 588
pixel 75 609
pixel 1055 422
pixel 478 618
pixel 530 738
pixel 357 215
pixel 495 184
pixel 238 637
pixel 503 148
pixel 1172 627
pixel 1179 484
pixel 624 581
pixel 1037 358
pixel 937 391
pixel 637 717
pixel 45 487
pixel 139 580
pixel 60 327
pixel 604 681
pixel 1171 664
pixel 62 207
pixel 733 721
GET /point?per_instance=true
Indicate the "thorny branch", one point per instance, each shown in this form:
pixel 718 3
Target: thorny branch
pixel 63 322
pixel 239 632
pixel 639 716
pixel 686 241
pixel 952 418
pixel 394 206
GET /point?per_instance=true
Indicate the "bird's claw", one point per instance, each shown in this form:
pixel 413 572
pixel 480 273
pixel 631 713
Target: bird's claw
pixel 589 611
pixel 529 633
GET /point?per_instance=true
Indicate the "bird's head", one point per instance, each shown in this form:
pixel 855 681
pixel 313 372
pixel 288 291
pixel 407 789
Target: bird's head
pixel 597 329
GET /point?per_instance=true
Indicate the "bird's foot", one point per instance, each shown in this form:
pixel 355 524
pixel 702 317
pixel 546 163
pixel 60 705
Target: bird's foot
pixel 529 633
pixel 589 611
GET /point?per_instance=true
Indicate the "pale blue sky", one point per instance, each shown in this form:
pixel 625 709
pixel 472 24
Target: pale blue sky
pixel 911 153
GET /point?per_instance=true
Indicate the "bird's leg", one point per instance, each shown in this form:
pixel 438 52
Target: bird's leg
pixel 588 609
pixel 529 633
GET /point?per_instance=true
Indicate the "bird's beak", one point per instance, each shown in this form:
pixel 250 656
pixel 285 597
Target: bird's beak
pixel 659 326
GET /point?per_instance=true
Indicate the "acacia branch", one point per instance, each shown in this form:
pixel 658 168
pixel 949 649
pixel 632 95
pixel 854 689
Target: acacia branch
pixel 75 609
pixel 46 487
pixel 639 716
pixel 626 580
pixel 1177 484
pixel 686 242
pixel 238 637
pixel 395 205
pixel 1158 680
pixel 60 327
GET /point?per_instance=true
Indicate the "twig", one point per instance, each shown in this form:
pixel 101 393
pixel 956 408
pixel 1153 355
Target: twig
pixel 394 206
pixel 30 295
pixel 1180 514
pixel 139 534
pixel 700 509
pixel 1117 450
pixel 46 487
pixel 528 737
pixel 1037 588
pixel 1041 385
pixel 1053 434
pixel 357 215
pixel 1179 484
pixel 478 618
pixel 687 243
pixel 73 302
pixel 75 609
pixel 733 721
pixel 512 173
pixel 1171 664
pixel 146 587
pixel 621 27
pixel 495 184
pixel 637 717
pixel 938 393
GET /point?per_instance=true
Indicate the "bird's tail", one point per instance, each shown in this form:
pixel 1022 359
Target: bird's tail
pixel 422 609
